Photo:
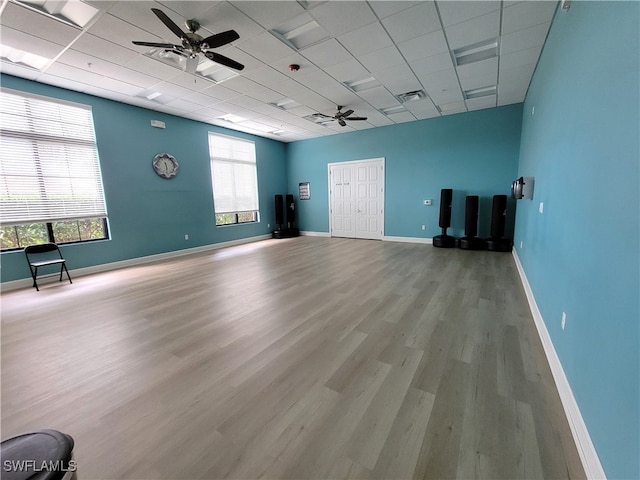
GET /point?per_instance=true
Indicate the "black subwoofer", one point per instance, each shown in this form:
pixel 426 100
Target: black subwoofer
pixel 443 240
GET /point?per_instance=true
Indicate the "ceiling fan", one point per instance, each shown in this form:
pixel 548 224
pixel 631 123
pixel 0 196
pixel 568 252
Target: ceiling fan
pixel 193 44
pixel 341 116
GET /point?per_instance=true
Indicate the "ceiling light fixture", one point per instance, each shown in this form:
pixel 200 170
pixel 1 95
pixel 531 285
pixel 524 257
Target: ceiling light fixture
pixel 72 12
pixel 20 57
pixel 476 52
pixel 480 92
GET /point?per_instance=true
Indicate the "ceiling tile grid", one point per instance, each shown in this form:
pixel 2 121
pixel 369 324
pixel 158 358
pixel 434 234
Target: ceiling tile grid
pixel 388 61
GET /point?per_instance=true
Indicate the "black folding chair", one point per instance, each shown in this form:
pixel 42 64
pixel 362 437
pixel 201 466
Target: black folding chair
pixel 42 256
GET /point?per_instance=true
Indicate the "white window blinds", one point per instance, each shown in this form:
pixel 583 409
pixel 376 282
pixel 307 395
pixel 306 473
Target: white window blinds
pixel 233 174
pixel 49 167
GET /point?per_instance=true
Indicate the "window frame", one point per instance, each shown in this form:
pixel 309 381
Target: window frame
pixel 236 213
pixel 26 129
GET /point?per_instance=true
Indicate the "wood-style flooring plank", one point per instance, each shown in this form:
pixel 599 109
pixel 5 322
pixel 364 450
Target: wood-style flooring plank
pixel 306 358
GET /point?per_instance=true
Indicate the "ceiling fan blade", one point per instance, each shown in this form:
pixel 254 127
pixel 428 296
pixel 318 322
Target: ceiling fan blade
pixel 222 60
pixel 158 45
pixel 220 39
pixel 356 118
pixel 169 23
pixel 342 122
pixel 344 114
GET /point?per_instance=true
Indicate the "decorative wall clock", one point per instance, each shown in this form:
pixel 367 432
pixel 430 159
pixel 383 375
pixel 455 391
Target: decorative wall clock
pixel 165 165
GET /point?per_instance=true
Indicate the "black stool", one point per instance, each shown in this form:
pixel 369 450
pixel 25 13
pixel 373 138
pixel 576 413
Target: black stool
pixel 42 455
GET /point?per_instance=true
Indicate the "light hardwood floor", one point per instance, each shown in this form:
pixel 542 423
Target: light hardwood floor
pixel 302 358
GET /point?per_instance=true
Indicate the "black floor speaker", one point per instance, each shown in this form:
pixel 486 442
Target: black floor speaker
pixel 443 240
pixel 470 241
pixel 285 205
pixel 496 242
pixel 279 210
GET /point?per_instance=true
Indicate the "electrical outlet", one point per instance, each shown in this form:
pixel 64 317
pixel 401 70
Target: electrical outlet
pixel 521 243
pixel 541 207
pixel 186 236
pixel 564 320
pixel 268 225
pixel 424 227
pixel 427 202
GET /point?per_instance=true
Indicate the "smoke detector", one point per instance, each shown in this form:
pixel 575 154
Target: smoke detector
pixel 294 67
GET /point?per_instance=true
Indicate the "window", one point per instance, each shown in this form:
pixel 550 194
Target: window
pixel 50 180
pixel 234 179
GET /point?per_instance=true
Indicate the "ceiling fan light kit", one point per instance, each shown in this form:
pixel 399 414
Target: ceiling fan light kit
pixel 193 44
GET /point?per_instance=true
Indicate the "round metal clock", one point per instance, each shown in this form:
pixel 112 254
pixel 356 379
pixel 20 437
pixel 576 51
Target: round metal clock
pixel 165 165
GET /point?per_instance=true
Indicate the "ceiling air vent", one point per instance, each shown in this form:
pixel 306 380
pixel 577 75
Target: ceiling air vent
pixel 411 96
pixel 480 92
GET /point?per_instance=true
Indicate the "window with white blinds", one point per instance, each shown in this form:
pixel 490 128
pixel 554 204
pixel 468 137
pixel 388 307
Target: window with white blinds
pixel 234 178
pixel 49 167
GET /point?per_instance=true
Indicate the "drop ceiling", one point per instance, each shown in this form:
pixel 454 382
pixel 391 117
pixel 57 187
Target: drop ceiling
pixel 389 61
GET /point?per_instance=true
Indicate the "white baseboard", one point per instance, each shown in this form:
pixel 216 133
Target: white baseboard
pixel 315 234
pixel 105 267
pixel 586 450
pixel 427 241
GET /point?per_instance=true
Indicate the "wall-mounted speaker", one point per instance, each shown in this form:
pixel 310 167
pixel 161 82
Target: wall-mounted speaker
pixel 443 240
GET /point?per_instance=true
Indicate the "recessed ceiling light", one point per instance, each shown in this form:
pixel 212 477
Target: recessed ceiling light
pixel 319 118
pixel 361 84
pixel 476 52
pixel 230 117
pixel 20 57
pixel 285 104
pixel 300 32
pixel 392 110
pixel 72 12
pixel 480 92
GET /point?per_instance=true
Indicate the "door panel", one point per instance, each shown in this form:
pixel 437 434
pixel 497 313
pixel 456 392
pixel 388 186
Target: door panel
pixel 342 201
pixel 357 199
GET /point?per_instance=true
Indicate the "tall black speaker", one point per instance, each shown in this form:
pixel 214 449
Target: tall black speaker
pixel 470 241
pixel 279 210
pixel 443 240
pixel 497 242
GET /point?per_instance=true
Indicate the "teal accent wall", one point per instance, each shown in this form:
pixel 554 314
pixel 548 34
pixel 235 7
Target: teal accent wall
pixel 581 255
pixel 149 214
pixel 473 153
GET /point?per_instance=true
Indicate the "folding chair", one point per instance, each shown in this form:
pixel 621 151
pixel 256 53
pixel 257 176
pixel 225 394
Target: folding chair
pixel 42 256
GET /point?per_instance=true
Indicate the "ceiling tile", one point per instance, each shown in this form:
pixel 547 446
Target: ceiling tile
pixel 264 47
pixel 473 31
pixel 190 9
pixel 424 46
pixel 436 63
pixel 78 74
pixel 520 58
pixel 274 14
pixel 398 79
pixel 527 14
pixel 413 22
pixel 422 109
pixel 28 43
pixel 226 16
pixel 478 74
pixel 524 39
pixel 365 39
pixel 386 8
pixel 327 53
pixel 105 50
pixel 386 58
pixel 139 13
pixel 402 117
pixel 378 97
pixel 461 11
pixel 342 17
pixel 348 71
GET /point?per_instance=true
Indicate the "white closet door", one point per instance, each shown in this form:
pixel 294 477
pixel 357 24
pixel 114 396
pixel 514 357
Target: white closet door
pixel 356 191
